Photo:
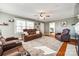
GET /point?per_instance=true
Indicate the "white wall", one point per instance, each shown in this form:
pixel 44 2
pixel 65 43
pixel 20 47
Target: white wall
pixel 39 26
pixel 9 30
pixel 46 28
pixel 42 27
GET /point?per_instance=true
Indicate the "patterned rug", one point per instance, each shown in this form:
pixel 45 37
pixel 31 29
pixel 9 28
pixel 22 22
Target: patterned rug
pixel 49 42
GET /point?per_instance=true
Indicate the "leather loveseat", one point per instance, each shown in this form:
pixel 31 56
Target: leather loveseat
pixel 31 34
pixel 8 46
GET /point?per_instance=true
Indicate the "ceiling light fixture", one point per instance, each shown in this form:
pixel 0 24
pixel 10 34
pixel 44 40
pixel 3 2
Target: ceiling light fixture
pixel 43 15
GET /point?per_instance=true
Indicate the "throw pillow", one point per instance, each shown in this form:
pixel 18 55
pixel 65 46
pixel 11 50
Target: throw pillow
pixel 26 33
pixel 37 32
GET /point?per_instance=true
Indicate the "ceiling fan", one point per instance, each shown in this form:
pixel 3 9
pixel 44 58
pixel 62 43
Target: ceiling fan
pixel 43 15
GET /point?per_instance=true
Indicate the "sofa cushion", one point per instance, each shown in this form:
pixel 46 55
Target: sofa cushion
pixel 13 41
pixel 26 33
pixel 11 38
pixel 31 33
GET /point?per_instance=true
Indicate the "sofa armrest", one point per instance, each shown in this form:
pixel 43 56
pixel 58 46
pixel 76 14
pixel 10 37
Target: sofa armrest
pixel 8 46
pixel 11 45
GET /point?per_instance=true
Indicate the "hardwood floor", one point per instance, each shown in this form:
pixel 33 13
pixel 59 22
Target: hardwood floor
pixel 62 49
pixel 73 42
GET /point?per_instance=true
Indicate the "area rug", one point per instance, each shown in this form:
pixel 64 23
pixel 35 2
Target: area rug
pixel 47 41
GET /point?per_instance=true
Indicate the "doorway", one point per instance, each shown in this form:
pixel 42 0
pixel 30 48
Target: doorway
pixel 52 28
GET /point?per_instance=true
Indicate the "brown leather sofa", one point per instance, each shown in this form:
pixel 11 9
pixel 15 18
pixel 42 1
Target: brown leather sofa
pixel 9 46
pixel 9 43
pixel 32 34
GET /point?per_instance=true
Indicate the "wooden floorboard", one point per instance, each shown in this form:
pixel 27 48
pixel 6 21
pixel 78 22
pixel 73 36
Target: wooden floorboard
pixel 62 49
pixel 73 42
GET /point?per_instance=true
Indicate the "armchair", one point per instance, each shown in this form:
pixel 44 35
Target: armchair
pixel 64 36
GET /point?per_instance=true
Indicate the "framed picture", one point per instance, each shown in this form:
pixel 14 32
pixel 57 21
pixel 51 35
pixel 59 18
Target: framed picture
pixel 64 23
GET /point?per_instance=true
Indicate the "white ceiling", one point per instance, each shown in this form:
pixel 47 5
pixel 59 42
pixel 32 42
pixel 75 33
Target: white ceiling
pixel 31 10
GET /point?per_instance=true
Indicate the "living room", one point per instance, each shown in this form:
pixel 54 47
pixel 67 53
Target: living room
pixel 38 30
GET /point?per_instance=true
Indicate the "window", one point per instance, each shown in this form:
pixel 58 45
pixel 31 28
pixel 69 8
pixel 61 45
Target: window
pixel 20 25
pixel 30 25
